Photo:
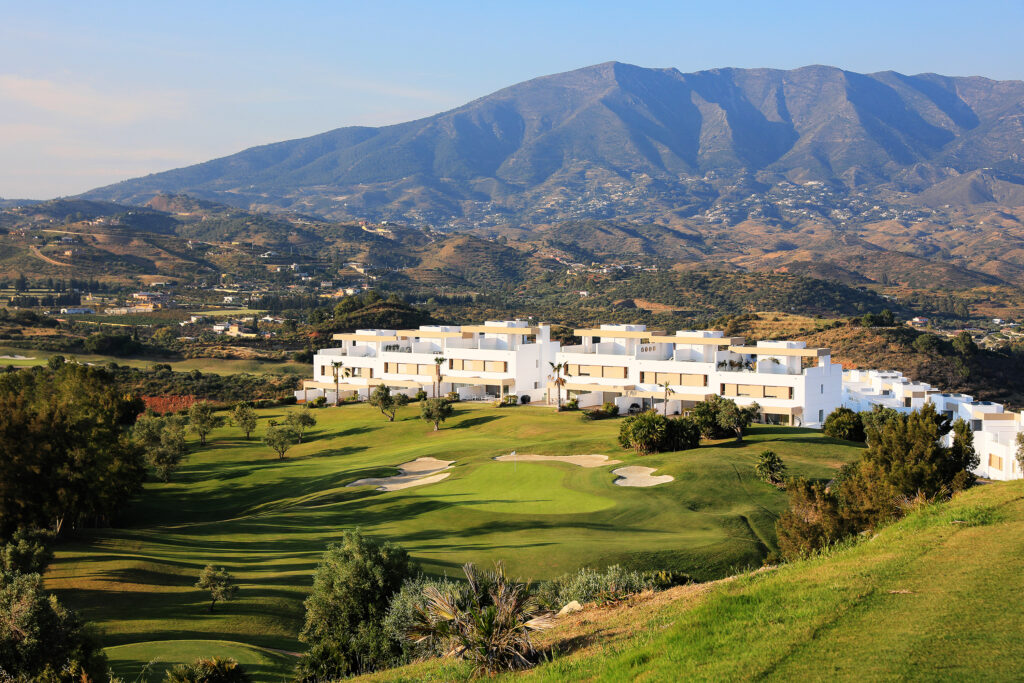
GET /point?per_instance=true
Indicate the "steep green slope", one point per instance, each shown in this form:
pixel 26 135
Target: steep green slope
pixel 933 597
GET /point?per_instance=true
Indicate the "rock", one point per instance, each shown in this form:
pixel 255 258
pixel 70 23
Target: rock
pixel 570 608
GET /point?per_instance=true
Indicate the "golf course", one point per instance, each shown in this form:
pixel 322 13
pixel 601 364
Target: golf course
pixel 267 520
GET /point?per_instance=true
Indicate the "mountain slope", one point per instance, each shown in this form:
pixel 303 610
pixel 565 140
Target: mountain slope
pixel 615 138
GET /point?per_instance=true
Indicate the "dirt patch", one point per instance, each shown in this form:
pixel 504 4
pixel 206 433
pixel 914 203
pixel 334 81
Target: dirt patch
pixel 635 475
pixel 416 473
pixel 589 460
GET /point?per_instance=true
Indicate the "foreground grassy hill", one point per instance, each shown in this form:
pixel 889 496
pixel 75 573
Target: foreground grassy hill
pixel 933 597
pixel 234 503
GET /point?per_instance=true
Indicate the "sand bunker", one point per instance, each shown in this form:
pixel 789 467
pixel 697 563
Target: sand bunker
pixel 591 460
pixel 416 473
pixel 17 357
pixel 634 475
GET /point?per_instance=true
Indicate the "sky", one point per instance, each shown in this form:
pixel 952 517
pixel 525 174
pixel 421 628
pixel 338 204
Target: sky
pixel 96 92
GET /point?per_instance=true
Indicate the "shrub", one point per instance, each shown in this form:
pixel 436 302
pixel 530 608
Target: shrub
pixel 592 585
pixel 843 423
pixel 319 402
pixel 682 434
pixel 490 624
pixel 524 399
pixel 215 670
pixel 770 468
pixel 352 587
pixel 608 410
pixel 644 433
pixel 452 397
pixel 572 404
pixel 811 522
pixel 420 395
pixel 402 613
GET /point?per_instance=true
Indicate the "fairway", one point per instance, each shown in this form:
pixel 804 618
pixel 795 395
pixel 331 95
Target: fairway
pixel 217 366
pixel 234 503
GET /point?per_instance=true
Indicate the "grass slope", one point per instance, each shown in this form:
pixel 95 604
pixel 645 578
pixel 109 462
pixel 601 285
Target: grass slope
pixel 933 597
pixel 268 520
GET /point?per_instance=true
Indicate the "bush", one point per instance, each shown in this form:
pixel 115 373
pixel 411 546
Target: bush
pixel 843 423
pixel 770 468
pixel 318 402
pixel 608 410
pixel 572 404
pixel 402 613
pixel 811 522
pixel 215 670
pixel 420 395
pixel 452 397
pixel 353 585
pixel 524 399
pixel 591 585
pixel 651 432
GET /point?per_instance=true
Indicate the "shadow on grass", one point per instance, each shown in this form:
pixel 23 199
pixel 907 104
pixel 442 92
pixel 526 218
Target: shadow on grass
pixel 476 421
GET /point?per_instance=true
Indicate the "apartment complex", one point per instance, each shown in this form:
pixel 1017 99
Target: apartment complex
pixel 476 361
pixel 623 364
pixel 995 430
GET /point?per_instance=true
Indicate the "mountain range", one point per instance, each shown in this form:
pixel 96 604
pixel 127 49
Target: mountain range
pixel 621 140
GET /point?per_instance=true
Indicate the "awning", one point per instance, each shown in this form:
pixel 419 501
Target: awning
pixel 479 381
pixel 579 386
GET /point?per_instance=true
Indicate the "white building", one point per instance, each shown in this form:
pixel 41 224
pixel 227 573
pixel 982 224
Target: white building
pixel 631 366
pixel 625 364
pixel 476 361
pixel 995 430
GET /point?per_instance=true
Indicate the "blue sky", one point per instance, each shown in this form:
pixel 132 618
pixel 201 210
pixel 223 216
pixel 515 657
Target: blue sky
pixel 96 92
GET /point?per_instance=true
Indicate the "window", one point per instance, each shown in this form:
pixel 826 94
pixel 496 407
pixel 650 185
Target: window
pixel 995 462
pixel 823 388
pixel 821 416
pixel 323 369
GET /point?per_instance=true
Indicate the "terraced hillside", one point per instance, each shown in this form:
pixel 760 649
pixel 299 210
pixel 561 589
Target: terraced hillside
pixel 234 503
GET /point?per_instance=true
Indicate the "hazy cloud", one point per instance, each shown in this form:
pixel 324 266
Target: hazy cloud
pixel 87 103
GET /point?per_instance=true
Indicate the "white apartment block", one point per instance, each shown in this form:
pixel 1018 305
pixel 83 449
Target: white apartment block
pixel 625 364
pixel 995 430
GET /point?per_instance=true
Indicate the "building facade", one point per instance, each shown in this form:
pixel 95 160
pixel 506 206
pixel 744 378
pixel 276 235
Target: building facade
pixel 628 365
pixel 994 429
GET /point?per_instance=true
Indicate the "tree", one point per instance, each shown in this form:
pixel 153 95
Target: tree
pixel 219 582
pixel 643 432
pixel 735 418
pixel 388 403
pixel 299 420
pixel 27 552
pixel 843 423
pixel 558 380
pixel 280 438
pixel 906 453
pixel 811 522
pixel 66 455
pixel 438 362
pixel 770 468
pixel 668 388
pixel 202 420
pixel 345 610
pixel 436 410
pixel 336 366
pixel 244 417
pixel 213 670
pixel 1020 450
pixel 489 624
pixel 963 344
pixel 926 343
pixel 963 459
pixel 40 639
pixel 705 416
pixel 55 362
pixel 163 441
pixel 681 434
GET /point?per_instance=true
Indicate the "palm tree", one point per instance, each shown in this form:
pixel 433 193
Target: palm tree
pixel 558 380
pixel 489 621
pixel 336 366
pixel 665 386
pixel 438 362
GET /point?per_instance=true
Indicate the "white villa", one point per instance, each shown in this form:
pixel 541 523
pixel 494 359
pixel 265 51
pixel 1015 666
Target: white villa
pixel 995 430
pixel 625 364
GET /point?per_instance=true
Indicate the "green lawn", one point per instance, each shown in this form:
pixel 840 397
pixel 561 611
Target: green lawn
pixel 268 520
pixel 217 366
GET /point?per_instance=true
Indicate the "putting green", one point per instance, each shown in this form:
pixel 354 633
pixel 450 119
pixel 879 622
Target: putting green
pixel 268 520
